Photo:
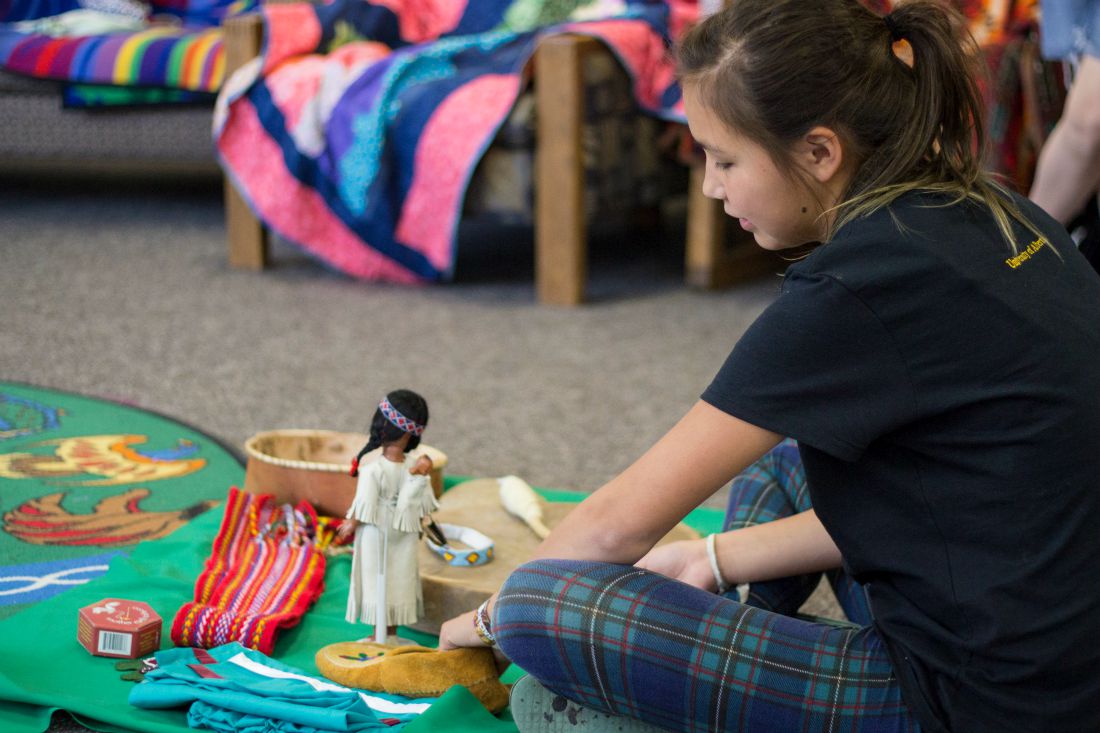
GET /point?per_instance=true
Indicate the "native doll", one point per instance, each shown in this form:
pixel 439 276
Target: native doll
pixel 392 497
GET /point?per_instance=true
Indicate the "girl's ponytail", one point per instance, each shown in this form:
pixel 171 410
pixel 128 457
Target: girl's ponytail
pixel 947 107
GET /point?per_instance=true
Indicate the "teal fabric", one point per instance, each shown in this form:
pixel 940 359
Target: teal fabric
pixel 227 696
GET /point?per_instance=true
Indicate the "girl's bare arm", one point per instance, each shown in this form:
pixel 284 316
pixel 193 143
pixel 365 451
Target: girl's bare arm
pixel 622 520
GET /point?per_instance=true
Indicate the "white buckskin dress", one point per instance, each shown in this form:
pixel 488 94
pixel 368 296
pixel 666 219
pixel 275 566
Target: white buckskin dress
pixel 389 504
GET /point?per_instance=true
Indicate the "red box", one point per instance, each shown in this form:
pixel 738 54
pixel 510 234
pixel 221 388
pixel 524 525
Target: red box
pixel 115 627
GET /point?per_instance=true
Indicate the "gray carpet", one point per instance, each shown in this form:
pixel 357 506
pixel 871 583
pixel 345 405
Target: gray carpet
pixel 123 291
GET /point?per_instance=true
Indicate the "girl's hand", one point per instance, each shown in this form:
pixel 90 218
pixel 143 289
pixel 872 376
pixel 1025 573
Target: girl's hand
pixel 685 560
pixel 459 632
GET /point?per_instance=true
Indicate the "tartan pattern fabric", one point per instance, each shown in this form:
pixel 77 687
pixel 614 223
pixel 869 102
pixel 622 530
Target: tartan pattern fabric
pixel 256 580
pixel 635 643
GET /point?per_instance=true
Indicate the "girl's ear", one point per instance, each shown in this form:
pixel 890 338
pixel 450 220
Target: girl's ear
pixel 821 154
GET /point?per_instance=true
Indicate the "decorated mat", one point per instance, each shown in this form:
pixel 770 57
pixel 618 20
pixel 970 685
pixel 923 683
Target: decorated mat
pixel 83 480
pixel 42 656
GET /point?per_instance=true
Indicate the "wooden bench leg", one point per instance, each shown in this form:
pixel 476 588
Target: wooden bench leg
pixel 561 246
pixel 714 256
pixel 706 234
pixel 248 239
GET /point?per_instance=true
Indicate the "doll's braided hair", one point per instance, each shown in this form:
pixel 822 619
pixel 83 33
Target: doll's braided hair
pixel 382 431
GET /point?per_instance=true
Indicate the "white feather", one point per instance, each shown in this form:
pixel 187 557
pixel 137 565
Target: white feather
pixel 521 501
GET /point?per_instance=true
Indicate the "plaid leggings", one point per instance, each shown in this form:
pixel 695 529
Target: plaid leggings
pixel 632 642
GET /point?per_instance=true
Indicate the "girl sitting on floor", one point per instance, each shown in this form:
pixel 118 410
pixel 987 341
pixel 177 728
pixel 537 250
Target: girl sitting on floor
pixel 934 358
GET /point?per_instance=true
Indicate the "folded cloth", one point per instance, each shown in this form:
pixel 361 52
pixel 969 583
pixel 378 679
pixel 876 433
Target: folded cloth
pixel 414 671
pixel 75 23
pixel 231 688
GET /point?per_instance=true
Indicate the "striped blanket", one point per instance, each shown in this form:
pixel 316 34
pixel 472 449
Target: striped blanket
pixel 184 54
pixel 356 132
pixel 265 571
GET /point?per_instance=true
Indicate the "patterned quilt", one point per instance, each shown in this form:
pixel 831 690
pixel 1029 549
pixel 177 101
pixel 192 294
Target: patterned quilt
pixel 356 132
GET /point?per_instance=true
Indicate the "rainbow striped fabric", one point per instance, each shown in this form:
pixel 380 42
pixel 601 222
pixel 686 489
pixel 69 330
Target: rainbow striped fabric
pixel 187 55
pixel 264 572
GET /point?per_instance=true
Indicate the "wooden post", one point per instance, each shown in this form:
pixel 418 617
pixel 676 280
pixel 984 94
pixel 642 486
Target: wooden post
pixel 248 241
pixel 711 259
pixel 561 246
pixel 706 231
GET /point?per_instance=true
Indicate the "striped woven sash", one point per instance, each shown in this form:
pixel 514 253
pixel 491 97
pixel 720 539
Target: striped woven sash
pixel 264 572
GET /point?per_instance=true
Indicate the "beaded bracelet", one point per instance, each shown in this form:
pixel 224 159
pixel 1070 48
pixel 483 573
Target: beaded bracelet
pixel 481 624
pixel 712 555
pixel 480 547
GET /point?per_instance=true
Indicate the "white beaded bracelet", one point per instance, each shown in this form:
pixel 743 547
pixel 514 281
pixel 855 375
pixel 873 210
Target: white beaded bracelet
pixel 723 586
pixel 481 624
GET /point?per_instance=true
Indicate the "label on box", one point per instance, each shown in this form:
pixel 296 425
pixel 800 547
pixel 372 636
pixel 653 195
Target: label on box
pixel 110 642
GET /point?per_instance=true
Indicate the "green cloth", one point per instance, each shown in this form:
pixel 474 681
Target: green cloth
pixel 43 668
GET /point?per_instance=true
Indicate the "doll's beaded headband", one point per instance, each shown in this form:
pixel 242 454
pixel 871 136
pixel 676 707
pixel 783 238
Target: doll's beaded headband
pixel 394 416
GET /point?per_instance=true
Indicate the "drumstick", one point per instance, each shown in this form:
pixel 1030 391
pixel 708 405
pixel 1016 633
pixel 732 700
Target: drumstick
pixel 520 500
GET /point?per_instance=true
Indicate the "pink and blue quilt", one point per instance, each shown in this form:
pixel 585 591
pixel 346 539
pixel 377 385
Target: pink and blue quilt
pixel 355 134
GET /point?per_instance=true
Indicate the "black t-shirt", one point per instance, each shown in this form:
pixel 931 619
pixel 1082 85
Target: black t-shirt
pixel 945 395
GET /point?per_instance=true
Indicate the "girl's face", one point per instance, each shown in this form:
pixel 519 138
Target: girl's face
pixel 779 212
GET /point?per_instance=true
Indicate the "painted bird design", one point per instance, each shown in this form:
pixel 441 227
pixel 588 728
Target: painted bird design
pixel 116 521
pixel 109 456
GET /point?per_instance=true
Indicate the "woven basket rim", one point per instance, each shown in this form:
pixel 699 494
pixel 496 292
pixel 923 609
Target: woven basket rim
pixel 439 459
pixel 253 452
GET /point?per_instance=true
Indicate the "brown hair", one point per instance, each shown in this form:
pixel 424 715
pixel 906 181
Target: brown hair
pixel 774 69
